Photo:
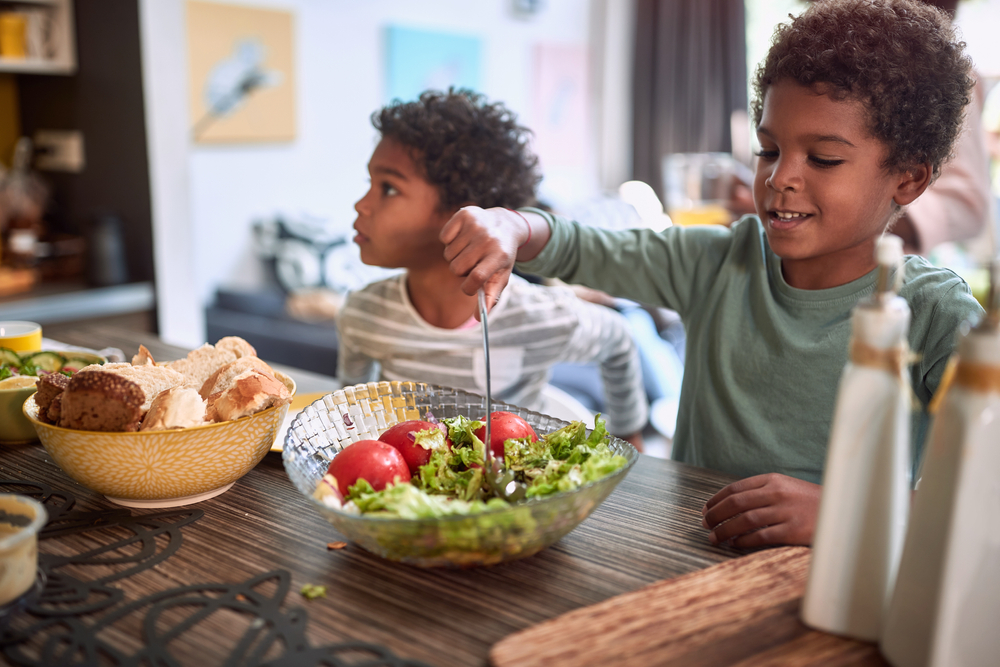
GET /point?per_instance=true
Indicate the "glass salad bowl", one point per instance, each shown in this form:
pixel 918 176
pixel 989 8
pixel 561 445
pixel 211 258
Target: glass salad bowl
pixel 364 411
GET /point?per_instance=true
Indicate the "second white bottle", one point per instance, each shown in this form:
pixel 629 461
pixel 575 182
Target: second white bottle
pixel 866 483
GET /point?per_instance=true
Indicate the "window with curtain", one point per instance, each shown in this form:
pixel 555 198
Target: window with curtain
pixel 690 76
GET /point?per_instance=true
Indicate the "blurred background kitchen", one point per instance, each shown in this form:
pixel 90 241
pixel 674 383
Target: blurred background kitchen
pixel 189 168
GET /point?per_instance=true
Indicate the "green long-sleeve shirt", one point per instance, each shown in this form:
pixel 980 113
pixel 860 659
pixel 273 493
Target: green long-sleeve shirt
pixel 763 359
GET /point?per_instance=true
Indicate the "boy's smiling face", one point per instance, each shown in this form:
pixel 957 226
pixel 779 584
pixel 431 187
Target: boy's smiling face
pixel 819 187
pixel 399 218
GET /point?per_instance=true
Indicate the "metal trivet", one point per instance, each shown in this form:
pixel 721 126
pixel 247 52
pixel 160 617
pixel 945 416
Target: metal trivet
pixel 68 615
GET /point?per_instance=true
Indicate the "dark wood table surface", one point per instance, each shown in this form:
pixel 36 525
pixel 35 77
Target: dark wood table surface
pixel 649 529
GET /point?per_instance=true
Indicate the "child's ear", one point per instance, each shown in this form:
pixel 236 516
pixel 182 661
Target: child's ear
pixel 912 183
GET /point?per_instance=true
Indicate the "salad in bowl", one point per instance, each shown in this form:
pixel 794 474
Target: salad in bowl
pixel 396 467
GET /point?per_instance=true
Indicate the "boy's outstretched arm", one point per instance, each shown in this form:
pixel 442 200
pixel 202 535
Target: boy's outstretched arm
pixel 763 510
pixel 483 244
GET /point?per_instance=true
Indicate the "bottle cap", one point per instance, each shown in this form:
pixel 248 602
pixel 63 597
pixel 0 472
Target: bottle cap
pixel 889 250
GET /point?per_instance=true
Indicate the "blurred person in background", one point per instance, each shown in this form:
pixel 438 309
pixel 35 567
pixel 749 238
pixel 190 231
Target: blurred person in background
pixel 957 206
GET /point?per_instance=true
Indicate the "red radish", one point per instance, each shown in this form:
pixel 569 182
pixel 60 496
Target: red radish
pixel 503 427
pixel 402 436
pixel 371 460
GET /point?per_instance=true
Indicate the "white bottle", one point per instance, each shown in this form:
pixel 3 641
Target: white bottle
pixel 945 610
pixel 866 482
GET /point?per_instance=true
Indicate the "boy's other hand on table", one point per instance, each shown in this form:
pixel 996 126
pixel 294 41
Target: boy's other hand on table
pixel 763 510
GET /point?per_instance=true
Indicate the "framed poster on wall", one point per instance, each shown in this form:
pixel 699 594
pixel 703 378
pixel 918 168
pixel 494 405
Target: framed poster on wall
pixel 420 60
pixel 241 73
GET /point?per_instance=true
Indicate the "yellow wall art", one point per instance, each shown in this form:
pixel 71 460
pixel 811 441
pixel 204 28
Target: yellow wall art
pixel 242 73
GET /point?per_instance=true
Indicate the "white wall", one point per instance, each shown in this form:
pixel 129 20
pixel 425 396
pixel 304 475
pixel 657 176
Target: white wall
pixel 340 82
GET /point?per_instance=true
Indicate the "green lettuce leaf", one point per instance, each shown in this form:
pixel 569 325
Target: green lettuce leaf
pixel 432 438
pixel 448 472
pixel 462 433
pixel 575 459
pixel 408 502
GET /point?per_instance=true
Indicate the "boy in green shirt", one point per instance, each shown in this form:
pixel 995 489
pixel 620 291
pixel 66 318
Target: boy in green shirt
pixel 858 105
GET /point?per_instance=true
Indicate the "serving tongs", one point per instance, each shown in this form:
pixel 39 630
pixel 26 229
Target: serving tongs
pixel 501 480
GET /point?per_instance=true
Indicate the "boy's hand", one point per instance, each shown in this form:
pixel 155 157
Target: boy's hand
pixel 763 510
pixel 482 246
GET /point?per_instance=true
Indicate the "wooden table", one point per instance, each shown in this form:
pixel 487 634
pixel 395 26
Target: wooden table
pixel 647 530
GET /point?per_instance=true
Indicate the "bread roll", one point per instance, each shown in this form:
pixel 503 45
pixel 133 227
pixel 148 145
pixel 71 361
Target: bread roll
pixel 151 379
pixel 49 386
pixel 54 411
pixel 222 378
pixel 201 363
pixel 100 401
pixel 249 392
pixel 179 407
pixel 143 357
pixel 237 346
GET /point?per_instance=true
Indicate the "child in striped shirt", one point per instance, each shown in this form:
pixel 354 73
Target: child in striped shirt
pixel 437 154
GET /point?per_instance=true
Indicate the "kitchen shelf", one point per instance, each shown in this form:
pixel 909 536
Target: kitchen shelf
pixel 63 41
pixel 66 303
pixel 34 66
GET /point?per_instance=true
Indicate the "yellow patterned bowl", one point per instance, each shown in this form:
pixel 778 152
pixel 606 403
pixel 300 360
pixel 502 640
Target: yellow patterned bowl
pixel 162 468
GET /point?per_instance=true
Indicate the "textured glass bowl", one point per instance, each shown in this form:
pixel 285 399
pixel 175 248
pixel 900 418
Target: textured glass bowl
pixel 364 411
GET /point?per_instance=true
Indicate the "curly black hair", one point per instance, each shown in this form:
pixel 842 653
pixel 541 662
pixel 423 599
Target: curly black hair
pixel 900 58
pixel 472 151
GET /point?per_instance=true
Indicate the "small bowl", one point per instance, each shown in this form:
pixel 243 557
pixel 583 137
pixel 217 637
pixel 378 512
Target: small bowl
pixel 364 411
pixel 163 468
pixel 23 517
pixel 15 428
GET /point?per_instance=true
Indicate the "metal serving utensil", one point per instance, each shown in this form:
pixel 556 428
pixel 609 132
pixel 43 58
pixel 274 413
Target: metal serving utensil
pixel 500 479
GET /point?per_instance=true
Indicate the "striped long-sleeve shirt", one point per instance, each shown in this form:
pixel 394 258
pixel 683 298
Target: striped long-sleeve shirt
pixel 531 328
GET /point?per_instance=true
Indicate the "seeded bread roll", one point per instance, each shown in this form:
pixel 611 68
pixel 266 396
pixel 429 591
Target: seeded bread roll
pixel 100 401
pixel 179 407
pixel 201 363
pixel 249 392
pixel 222 378
pixel 49 386
pixel 151 379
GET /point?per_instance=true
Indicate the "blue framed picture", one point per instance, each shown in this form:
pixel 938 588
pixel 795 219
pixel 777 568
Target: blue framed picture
pixel 420 60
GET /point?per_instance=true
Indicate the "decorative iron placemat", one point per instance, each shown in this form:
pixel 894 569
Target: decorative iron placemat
pixel 65 620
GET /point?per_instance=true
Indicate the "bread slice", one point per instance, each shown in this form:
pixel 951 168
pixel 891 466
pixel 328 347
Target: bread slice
pixel 201 363
pixel 143 357
pixel 179 407
pixel 151 379
pixel 222 378
pixel 249 392
pixel 237 346
pixel 100 401
pixel 49 386
pixel 54 411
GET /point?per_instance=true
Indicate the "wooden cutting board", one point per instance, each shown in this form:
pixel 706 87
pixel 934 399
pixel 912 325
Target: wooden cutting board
pixel 742 612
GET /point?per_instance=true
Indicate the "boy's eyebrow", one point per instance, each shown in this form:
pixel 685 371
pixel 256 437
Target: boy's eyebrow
pixel 390 171
pixel 815 138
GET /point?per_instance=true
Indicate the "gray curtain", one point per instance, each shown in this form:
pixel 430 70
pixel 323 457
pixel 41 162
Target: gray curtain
pixel 690 75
